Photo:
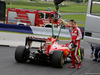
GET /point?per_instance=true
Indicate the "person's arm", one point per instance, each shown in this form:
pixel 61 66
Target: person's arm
pixel 79 34
pixel 65 23
pixel 92 48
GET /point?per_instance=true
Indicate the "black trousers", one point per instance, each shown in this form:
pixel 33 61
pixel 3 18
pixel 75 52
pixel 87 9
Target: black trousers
pixel 97 53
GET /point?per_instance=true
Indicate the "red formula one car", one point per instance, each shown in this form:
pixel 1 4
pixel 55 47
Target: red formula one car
pixel 50 51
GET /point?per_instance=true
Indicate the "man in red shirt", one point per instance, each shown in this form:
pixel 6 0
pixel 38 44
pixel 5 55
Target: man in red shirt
pixel 76 36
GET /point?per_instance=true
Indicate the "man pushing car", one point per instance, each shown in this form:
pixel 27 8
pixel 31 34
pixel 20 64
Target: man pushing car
pixel 76 36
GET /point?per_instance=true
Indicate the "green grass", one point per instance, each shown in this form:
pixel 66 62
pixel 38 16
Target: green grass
pixel 67 8
pixel 80 18
pixel 73 8
pixel 63 38
pixel 27 5
pixel 77 18
pixel 44 6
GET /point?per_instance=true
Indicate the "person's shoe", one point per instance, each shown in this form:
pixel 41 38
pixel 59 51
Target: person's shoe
pixel 72 66
pixel 79 65
pixel 95 59
pixel 98 59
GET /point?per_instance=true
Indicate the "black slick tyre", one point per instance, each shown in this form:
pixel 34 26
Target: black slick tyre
pixel 58 58
pixel 21 54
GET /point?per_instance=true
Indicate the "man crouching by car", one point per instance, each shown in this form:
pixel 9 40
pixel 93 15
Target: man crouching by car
pixel 95 52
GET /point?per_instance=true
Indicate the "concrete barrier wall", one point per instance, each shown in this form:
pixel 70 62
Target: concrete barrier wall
pixel 48 31
pixel 35 30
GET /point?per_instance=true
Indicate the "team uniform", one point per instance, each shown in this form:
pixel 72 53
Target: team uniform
pixel 76 35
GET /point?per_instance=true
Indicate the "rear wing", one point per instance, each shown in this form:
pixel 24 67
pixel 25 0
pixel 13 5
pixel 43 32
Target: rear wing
pixel 36 39
pixel 29 41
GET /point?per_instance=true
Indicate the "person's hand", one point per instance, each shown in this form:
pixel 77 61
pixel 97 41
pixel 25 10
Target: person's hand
pixel 91 56
pixel 74 41
pixel 61 19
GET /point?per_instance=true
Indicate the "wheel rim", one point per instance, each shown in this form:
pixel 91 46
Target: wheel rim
pixel 82 55
pixel 62 60
pixel 82 52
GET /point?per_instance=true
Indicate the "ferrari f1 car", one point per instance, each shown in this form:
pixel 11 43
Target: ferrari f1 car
pixel 50 51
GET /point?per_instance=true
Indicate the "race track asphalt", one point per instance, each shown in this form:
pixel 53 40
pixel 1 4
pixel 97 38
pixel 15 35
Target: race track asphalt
pixel 8 65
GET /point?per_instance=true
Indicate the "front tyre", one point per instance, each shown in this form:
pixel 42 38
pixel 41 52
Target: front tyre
pixel 21 54
pixel 58 58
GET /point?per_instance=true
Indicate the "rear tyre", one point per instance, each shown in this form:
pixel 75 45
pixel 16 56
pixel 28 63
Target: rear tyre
pixel 82 52
pixel 21 54
pixel 58 58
